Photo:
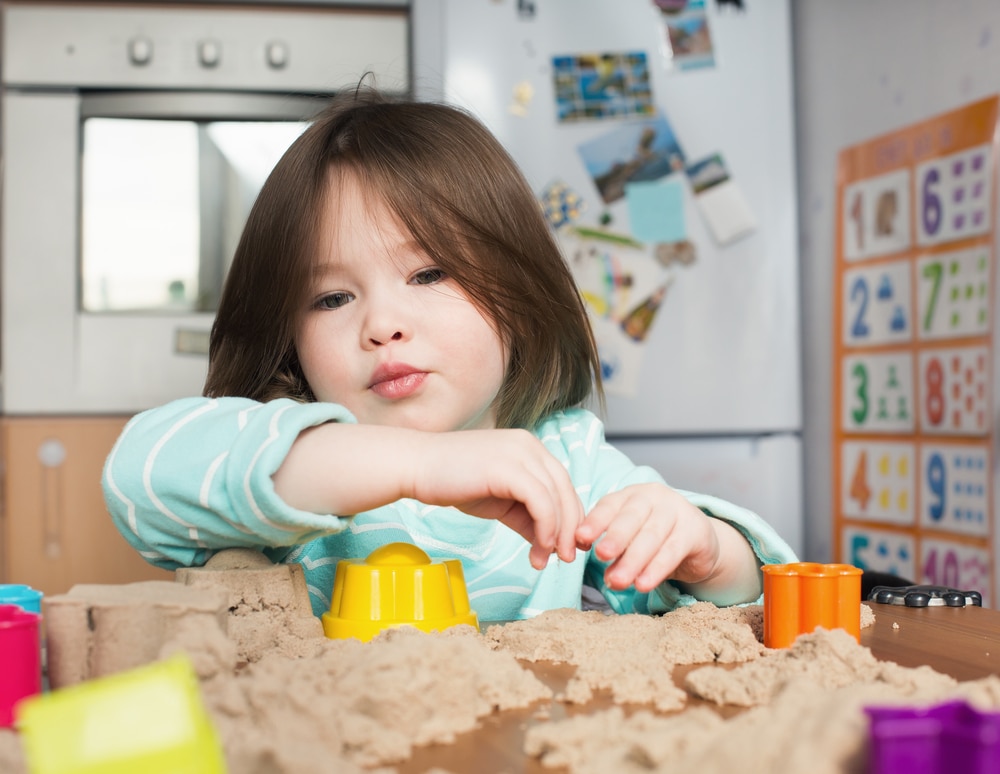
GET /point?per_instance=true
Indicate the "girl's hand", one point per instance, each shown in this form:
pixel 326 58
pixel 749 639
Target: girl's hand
pixel 507 475
pixel 651 533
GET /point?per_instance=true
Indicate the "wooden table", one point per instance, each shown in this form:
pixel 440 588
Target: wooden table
pixel 961 642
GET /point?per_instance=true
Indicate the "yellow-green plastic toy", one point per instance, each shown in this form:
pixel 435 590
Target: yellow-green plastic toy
pixel 397 585
pixel 149 720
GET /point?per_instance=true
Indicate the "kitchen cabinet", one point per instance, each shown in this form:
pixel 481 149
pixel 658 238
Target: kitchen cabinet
pixel 55 531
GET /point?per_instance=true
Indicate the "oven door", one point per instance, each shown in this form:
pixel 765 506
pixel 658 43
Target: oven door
pixel 120 214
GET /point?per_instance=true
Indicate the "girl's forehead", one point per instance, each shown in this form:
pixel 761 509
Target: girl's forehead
pixel 358 225
pixel 351 243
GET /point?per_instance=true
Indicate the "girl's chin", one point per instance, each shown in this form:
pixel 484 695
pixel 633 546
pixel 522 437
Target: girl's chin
pixel 428 424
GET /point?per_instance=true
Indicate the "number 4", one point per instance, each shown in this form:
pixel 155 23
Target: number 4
pixel 860 490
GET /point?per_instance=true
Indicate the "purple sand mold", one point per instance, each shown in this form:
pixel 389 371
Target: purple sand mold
pixel 950 738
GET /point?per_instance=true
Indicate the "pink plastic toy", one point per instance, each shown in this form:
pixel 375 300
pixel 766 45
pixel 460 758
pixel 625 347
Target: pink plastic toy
pixel 20 659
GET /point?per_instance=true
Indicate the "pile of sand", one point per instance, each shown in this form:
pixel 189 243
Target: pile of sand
pixel 827 659
pixel 806 726
pixel 351 704
pixel 286 699
pixel 633 656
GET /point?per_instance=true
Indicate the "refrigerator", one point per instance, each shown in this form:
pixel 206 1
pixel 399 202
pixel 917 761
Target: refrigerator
pixel 659 138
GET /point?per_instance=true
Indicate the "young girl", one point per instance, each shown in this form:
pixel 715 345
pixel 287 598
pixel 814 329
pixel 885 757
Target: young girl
pixel 399 355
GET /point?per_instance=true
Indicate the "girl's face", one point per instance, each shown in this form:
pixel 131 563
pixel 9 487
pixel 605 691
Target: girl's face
pixel 387 334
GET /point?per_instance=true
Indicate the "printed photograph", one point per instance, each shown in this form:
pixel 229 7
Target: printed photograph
pixel 596 86
pixel 634 152
pixel 707 172
pixel 687 32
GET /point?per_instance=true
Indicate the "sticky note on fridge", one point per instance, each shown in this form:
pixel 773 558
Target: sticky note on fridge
pixel 720 200
pixel 656 210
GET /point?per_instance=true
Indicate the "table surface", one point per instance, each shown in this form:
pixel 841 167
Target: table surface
pixel 961 642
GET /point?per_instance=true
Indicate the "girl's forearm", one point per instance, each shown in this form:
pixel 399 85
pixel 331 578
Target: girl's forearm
pixel 344 469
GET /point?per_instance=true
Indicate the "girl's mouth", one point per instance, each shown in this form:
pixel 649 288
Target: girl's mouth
pixel 395 382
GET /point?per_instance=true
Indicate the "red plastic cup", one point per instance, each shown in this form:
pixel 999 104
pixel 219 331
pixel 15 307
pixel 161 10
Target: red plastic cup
pixel 20 659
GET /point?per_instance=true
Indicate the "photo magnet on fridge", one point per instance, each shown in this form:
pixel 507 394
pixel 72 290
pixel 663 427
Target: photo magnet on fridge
pixel 602 85
pixel 687 38
pixel 720 200
pixel 635 152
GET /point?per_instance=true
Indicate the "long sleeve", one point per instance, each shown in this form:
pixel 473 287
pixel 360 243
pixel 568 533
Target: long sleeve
pixel 194 476
pixel 597 467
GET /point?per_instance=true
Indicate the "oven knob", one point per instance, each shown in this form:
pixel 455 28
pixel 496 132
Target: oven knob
pixel 209 53
pixel 140 51
pixel 277 54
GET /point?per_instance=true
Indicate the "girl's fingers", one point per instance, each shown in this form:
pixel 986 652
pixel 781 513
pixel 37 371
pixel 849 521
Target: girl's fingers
pixel 598 520
pixel 521 521
pixel 551 509
pixel 548 496
pixel 570 510
pixel 661 566
pixel 647 538
pixel 627 521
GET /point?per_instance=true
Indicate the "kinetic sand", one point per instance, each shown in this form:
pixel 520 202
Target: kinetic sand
pixel 285 699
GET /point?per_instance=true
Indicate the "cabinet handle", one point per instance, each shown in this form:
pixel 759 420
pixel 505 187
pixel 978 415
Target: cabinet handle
pixel 52 454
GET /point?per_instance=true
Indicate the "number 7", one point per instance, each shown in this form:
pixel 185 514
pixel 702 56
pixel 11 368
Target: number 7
pixel 932 271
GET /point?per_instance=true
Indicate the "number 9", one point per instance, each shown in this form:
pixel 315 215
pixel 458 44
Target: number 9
pixel 937 484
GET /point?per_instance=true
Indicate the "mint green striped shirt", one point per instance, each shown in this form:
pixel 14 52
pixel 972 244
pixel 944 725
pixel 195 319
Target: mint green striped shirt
pixel 193 477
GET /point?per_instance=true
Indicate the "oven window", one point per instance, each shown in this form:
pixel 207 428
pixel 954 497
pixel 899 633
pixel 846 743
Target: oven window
pixel 163 205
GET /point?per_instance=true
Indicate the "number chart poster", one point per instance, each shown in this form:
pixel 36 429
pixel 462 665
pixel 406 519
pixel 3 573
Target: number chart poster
pixel 913 351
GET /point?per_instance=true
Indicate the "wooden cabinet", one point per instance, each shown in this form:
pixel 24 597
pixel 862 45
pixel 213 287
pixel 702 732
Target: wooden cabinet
pixel 55 531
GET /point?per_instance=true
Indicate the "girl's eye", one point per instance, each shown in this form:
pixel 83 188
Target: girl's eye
pixel 334 300
pixel 429 276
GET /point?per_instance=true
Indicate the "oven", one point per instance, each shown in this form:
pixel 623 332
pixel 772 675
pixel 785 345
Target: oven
pixel 134 138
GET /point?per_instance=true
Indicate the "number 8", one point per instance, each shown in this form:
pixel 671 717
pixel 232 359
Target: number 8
pixel 935 397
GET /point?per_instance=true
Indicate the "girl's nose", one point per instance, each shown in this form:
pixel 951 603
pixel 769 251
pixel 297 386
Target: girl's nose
pixel 395 336
pixel 386 319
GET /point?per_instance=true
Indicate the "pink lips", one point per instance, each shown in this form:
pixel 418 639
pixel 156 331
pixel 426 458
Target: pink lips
pixel 396 380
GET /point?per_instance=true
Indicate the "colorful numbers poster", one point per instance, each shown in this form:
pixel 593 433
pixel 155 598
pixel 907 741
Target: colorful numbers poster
pixel 913 351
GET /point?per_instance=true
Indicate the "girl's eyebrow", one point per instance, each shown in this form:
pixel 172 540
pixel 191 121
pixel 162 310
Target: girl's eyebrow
pixel 408 248
pixel 324 267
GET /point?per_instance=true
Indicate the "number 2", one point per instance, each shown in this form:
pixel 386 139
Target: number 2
pixel 860 328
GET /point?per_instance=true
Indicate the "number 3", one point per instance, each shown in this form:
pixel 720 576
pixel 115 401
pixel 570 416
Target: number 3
pixel 861 413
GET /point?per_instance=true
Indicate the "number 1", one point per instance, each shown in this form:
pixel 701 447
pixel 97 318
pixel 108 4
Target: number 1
pixel 857 215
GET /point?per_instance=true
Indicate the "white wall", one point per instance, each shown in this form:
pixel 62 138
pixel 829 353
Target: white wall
pixel 864 68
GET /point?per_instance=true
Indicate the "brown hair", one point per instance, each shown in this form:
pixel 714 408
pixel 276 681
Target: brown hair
pixel 461 196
